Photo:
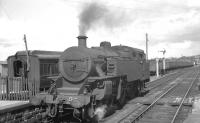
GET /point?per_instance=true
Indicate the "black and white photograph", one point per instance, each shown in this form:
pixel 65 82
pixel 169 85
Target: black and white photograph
pixel 99 61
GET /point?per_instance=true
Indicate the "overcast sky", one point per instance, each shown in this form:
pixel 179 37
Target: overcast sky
pixel 173 25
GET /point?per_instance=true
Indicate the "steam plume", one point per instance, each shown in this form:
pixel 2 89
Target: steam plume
pixel 100 112
pixel 94 15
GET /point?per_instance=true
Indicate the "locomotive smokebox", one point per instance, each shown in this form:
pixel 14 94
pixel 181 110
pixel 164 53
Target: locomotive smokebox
pixel 82 41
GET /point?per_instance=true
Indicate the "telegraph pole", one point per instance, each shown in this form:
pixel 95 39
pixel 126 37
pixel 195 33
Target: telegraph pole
pixel 147 46
pixel 27 54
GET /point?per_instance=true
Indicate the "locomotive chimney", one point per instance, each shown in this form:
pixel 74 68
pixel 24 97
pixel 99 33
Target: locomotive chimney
pixel 82 41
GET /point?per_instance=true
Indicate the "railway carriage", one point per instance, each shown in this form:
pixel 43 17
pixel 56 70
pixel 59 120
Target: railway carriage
pixel 43 64
pixel 95 78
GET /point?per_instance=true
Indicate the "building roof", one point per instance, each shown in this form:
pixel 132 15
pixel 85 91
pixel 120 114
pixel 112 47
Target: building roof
pixel 41 54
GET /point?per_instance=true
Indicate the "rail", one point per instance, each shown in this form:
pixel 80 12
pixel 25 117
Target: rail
pixel 165 76
pixel 168 79
pixel 152 104
pixel 183 99
pixel 155 101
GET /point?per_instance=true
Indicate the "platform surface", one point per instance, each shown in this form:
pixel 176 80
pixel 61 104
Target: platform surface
pixel 194 117
pixel 6 106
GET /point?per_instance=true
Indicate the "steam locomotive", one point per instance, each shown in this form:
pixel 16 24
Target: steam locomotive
pixel 95 78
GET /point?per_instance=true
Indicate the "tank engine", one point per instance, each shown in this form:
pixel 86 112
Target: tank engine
pixel 96 78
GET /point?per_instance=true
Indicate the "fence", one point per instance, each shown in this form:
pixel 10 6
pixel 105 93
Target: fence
pixel 17 88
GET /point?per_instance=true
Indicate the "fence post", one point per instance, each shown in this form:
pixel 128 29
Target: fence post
pixel 7 88
pixel 23 90
pixel 1 86
pixel 14 88
pixel 27 88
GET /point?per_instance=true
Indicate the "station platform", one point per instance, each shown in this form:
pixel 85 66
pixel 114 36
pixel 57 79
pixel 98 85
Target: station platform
pixel 194 116
pixel 8 106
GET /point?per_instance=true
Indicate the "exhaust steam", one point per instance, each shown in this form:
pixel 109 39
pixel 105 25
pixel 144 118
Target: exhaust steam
pixel 94 15
pixel 100 112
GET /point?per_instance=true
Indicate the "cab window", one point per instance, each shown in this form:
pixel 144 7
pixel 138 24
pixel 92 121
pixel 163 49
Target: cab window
pixel 18 68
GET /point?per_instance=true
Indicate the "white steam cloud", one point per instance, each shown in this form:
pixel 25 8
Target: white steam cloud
pixel 100 112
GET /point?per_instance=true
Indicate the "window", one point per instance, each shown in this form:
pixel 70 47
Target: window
pixel 18 68
pixel 48 69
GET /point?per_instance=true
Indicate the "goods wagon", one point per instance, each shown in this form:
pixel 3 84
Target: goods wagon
pixel 169 65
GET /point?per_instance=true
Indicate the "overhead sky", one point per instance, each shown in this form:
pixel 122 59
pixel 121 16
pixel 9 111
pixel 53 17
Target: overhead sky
pixel 173 25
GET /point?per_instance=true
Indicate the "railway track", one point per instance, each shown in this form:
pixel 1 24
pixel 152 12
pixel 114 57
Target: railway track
pixel 28 114
pixel 159 82
pixel 165 79
pixel 156 113
pixel 138 104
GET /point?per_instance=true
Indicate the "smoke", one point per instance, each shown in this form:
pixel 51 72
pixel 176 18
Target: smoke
pixel 90 15
pixel 100 112
pixel 95 15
